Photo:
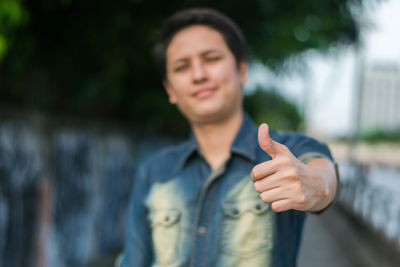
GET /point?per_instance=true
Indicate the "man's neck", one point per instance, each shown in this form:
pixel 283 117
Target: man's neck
pixel 215 139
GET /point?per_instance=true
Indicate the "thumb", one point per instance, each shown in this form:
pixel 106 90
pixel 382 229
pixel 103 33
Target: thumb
pixel 269 146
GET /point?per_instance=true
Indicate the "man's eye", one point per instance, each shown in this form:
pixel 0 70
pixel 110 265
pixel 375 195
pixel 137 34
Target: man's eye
pixel 180 68
pixel 211 59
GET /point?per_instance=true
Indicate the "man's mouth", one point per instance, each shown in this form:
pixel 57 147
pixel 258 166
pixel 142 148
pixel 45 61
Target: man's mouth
pixel 202 93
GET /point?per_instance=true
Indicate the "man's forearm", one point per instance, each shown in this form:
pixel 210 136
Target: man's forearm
pixel 324 170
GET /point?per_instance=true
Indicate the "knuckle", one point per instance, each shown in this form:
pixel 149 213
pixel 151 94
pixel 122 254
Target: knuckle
pixel 281 161
pixel 276 207
pixel 257 187
pixel 301 199
pixel 297 186
pixel 264 197
pixel 287 161
pixel 254 174
pixel 292 173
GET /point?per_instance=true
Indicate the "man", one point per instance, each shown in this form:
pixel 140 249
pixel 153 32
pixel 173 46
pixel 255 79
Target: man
pixel 230 195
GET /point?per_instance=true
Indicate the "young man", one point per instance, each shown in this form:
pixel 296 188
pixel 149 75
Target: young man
pixel 231 195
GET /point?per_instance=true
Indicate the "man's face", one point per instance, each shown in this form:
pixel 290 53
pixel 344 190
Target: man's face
pixel 203 79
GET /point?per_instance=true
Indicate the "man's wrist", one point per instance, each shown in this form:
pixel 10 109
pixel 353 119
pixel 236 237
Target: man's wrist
pixel 324 175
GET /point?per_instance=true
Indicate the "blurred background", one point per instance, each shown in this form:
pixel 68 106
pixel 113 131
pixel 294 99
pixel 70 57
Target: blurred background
pixel 81 106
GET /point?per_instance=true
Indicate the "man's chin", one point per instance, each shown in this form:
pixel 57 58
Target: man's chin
pixel 209 117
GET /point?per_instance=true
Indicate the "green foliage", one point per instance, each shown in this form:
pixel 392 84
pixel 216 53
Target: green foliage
pixel 94 58
pixel 3 46
pixel 12 15
pixel 270 107
pixel 379 135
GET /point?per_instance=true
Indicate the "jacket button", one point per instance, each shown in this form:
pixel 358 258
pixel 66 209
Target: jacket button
pixel 201 230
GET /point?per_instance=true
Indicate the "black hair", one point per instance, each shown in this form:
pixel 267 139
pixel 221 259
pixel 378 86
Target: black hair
pixel 229 30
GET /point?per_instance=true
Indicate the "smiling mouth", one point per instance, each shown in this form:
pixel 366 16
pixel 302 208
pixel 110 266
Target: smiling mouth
pixel 204 92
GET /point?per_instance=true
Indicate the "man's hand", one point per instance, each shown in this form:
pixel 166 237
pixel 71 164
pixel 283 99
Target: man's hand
pixel 287 183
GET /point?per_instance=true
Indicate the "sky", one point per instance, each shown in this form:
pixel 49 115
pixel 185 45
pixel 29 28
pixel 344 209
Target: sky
pixel 383 40
pixel 330 86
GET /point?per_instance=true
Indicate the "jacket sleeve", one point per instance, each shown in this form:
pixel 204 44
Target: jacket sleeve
pixel 137 251
pixel 306 148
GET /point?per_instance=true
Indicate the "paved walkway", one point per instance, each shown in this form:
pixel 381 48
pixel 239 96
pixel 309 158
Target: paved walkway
pixel 335 239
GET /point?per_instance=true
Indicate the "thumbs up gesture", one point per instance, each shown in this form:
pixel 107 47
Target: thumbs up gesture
pixel 286 182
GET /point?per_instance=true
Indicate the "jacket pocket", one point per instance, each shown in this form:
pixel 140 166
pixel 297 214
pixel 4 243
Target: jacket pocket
pixel 165 234
pixel 246 226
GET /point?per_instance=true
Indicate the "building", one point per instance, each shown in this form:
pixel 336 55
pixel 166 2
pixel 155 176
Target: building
pixel 380 98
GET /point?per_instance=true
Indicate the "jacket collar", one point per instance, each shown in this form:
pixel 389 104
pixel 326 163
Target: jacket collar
pixel 244 144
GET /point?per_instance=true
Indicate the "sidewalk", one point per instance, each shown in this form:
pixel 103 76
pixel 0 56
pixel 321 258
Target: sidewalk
pixel 334 239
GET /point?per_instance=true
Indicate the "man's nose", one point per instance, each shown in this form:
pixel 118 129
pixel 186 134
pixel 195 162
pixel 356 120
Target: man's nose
pixel 199 73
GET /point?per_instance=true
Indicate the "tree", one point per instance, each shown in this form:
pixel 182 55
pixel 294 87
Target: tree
pixel 94 58
pixel 12 15
pixel 269 106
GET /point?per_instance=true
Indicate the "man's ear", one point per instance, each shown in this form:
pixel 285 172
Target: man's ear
pixel 170 92
pixel 243 67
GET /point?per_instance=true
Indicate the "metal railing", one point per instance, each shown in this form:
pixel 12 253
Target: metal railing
pixel 372 192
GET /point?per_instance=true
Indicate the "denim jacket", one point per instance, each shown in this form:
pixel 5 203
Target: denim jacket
pixel 183 213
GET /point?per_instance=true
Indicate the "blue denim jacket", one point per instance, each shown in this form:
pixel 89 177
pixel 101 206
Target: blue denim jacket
pixel 184 214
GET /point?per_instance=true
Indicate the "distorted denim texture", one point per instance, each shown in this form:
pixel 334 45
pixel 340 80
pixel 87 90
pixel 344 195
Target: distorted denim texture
pixel 184 214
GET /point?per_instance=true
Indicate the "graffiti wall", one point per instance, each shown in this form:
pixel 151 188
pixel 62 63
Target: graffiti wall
pixel 64 190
